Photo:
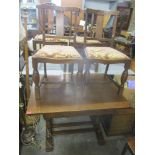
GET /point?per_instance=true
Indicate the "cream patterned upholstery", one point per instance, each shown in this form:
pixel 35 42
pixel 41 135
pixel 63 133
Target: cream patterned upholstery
pixel 57 52
pixel 104 53
pixel 49 38
pixel 80 39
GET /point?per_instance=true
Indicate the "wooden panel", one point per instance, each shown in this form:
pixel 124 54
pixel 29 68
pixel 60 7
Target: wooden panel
pixel 60 24
pixel 99 26
pixel 50 19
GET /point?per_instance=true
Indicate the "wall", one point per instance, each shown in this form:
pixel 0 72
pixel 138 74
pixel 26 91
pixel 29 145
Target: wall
pixel 97 4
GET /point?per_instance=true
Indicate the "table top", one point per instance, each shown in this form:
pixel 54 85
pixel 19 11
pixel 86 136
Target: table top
pixel 76 98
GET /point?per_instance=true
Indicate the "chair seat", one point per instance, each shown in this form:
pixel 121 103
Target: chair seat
pixel 39 37
pixel 57 52
pixel 80 40
pixel 104 53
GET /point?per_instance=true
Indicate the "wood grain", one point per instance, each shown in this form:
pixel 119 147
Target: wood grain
pixel 71 99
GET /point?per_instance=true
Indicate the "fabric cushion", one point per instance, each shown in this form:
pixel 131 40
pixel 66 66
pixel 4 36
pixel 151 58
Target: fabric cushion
pixel 104 53
pixel 39 37
pixel 80 40
pixel 57 52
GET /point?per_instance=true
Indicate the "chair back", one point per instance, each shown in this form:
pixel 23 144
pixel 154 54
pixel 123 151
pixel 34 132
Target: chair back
pixel 95 26
pixel 54 16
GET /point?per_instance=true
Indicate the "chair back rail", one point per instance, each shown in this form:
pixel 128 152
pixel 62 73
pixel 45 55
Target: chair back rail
pixel 97 20
pixel 46 13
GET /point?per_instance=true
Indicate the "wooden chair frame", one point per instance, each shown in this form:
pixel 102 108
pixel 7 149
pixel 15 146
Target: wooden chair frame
pixel 99 35
pixel 45 13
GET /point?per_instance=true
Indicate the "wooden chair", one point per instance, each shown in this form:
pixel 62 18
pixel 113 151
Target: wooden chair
pixel 130 145
pixel 95 29
pixel 54 21
pixel 56 54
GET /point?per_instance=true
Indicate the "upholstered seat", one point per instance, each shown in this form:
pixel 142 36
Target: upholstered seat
pixel 104 53
pixel 49 38
pixel 57 52
pixel 80 40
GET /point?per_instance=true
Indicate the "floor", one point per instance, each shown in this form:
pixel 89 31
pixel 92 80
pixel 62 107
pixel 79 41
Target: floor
pixel 74 144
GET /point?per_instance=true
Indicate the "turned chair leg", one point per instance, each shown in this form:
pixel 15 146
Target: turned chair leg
pixel 106 71
pixel 124 78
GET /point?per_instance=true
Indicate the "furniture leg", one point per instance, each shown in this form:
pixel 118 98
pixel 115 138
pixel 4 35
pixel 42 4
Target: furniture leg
pixel 80 72
pixel 80 68
pixel 71 68
pixel 96 124
pixel 87 70
pixel 96 67
pixel 36 78
pixel 45 71
pixel 65 68
pixel 106 70
pixel 49 135
pixel 124 78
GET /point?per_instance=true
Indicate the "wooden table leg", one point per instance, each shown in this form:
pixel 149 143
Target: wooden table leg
pixel 96 124
pixel 124 77
pixel 36 78
pixel 49 135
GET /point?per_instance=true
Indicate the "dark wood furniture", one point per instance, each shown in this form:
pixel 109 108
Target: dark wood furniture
pixel 130 146
pixel 124 18
pixel 127 43
pixel 67 99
